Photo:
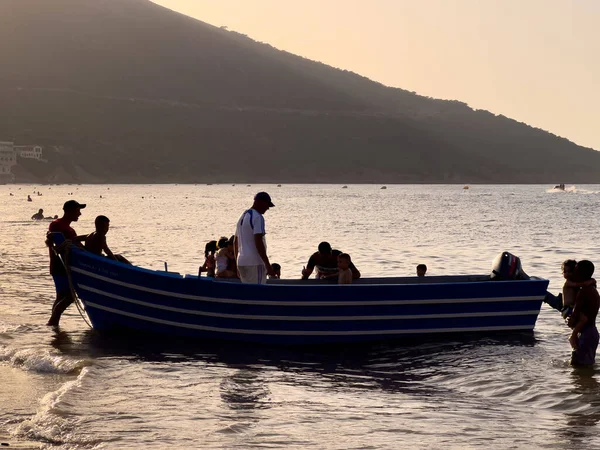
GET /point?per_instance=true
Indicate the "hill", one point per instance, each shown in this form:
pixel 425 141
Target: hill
pixel 135 92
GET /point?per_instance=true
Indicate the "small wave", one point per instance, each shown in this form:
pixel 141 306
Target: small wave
pixel 12 328
pixel 51 424
pixel 33 360
pixel 571 190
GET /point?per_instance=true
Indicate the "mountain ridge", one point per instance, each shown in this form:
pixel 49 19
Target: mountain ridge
pixel 138 91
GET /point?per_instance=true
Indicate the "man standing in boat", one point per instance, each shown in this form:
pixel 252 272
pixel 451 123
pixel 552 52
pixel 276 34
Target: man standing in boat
pixel 64 297
pixel 249 244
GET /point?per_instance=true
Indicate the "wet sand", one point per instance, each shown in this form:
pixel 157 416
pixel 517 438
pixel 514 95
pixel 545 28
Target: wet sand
pixel 5 438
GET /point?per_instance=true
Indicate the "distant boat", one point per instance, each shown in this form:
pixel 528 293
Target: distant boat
pixel 344 187
pixel 278 185
pixel 560 187
pixel 465 187
pixel 383 187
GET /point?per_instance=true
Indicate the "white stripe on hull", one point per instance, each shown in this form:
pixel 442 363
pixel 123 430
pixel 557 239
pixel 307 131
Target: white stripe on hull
pixel 308 318
pixel 307 332
pixel 303 303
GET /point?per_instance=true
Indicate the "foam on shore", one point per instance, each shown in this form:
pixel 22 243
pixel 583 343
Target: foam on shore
pixel 40 361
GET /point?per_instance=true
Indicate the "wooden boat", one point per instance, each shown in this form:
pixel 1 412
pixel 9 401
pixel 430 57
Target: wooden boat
pixel 117 296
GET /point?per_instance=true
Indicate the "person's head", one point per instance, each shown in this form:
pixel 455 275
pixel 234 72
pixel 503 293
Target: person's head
pixel 421 270
pixel 210 248
pixel 343 261
pixel 584 270
pixel 262 202
pixel 568 268
pixel 102 224
pixel 324 248
pixel 41 211
pixel 72 210
pixel 277 269
pixel 225 242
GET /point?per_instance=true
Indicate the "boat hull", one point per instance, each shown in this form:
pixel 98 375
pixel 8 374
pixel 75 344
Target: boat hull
pixel 118 296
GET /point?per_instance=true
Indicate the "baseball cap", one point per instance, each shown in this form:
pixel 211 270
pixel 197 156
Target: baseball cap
pixel 265 197
pixel 72 204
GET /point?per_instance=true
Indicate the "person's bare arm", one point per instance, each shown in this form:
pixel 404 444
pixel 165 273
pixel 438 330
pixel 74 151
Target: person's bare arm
pixel 581 321
pixel 308 270
pixel 576 284
pixel 355 272
pixel 262 252
pixel 107 250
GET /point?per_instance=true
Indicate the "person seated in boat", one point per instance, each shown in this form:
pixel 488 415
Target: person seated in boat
pixel 225 259
pixel 421 270
pixel 96 242
pixel 38 215
pixel 325 261
pixel 277 271
pixel 344 271
pixel 209 265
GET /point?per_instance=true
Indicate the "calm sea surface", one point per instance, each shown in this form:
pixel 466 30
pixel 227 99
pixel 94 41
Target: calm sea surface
pixel 71 388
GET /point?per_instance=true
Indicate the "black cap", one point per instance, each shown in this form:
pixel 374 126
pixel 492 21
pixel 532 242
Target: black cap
pixel 265 197
pixel 72 204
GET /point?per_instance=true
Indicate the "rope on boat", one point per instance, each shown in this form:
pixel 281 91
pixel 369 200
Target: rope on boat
pixel 65 248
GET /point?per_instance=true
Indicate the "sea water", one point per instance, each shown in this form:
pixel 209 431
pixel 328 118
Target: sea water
pixel 73 388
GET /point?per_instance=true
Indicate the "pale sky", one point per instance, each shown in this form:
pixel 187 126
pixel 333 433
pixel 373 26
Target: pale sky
pixel 536 61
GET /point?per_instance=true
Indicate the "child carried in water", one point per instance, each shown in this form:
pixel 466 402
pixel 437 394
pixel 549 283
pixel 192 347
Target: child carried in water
pixel 344 271
pixel 96 242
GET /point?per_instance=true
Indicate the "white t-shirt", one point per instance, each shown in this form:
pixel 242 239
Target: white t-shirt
pixel 251 223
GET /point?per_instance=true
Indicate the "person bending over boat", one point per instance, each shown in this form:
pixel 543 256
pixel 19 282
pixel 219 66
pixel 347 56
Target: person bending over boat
pixel 64 297
pixel 325 260
pixel 96 242
pixel 584 339
pixel 209 265
pixel 250 246
pixel 225 259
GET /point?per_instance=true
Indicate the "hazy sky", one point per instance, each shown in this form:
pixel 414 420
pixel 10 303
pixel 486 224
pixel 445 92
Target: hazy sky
pixel 537 61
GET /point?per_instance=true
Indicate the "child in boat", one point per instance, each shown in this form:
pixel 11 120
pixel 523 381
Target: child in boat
pixel 344 271
pixel 96 242
pixel 277 269
pixel 209 259
pixel 421 270
pixel 225 259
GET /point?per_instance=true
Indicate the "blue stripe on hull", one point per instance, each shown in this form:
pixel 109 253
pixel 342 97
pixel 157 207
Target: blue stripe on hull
pixel 104 320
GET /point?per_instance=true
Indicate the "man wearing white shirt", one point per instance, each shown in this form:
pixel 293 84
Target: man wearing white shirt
pixel 249 244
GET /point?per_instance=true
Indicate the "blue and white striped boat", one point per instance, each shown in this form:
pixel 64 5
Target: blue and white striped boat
pixel 118 296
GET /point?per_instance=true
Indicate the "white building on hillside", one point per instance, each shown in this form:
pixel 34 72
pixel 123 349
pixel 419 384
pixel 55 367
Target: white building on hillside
pixel 29 151
pixel 8 158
